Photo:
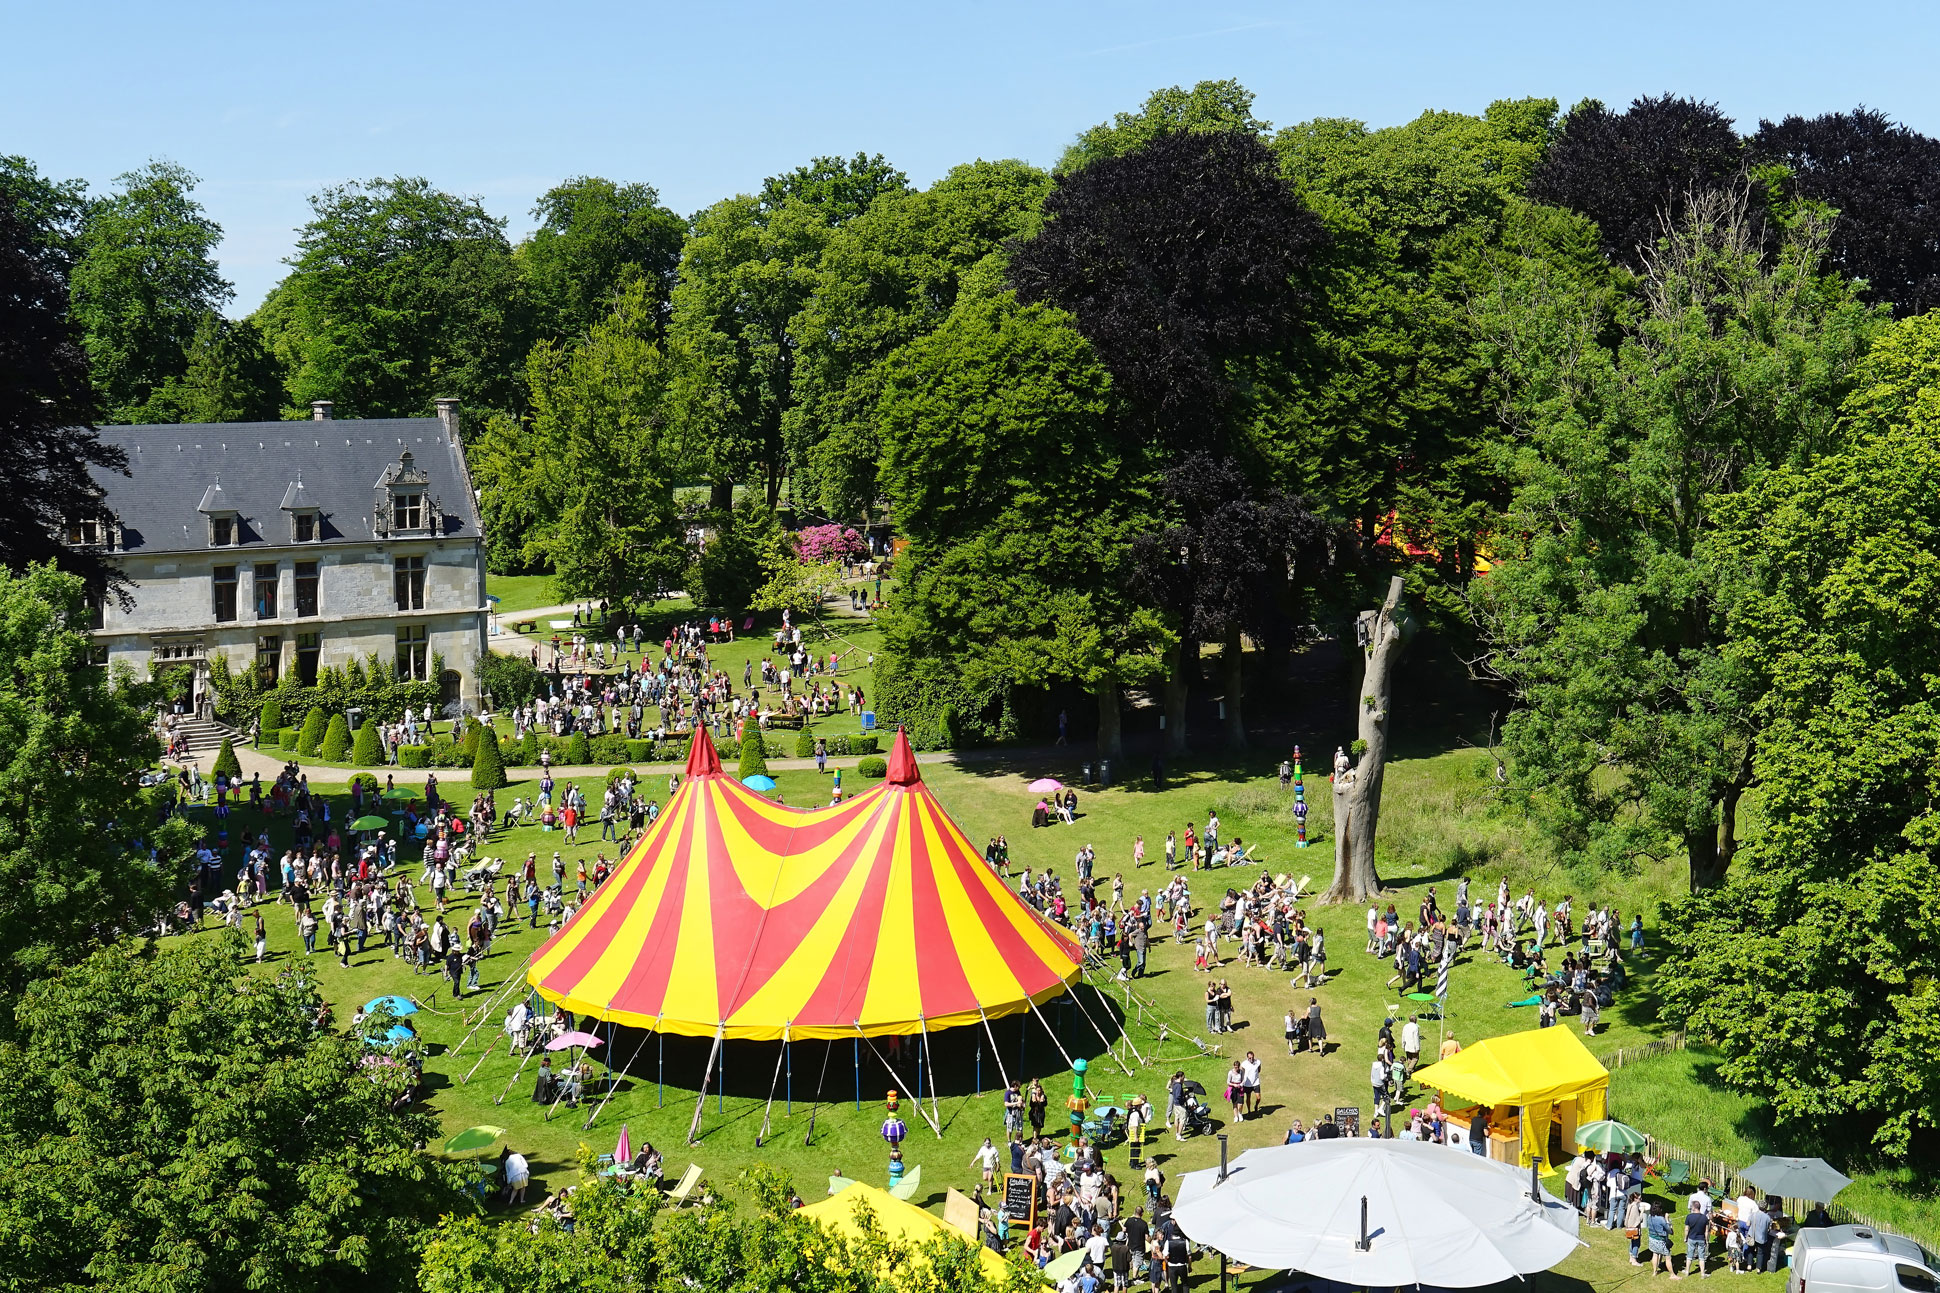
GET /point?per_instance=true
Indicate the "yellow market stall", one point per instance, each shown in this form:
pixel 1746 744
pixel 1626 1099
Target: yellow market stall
pixel 1529 1081
pixel 904 1222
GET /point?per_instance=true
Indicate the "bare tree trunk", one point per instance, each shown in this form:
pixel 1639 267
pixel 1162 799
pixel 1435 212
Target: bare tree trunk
pixel 1230 659
pixel 1111 739
pixel 1175 702
pixel 720 495
pixel 1357 795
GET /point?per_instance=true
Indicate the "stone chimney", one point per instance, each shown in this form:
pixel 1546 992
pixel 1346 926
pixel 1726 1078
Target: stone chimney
pixel 320 410
pixel 448 415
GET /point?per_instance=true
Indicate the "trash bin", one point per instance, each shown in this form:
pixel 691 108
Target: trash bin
pixel 1086 777
pixel 1104 772
pixel 355 717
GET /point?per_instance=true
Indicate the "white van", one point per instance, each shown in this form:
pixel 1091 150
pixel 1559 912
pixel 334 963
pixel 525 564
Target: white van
pixel 1858 1259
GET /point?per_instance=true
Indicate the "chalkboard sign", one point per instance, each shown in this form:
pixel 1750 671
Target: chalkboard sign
pixel 1348 1118
pixel 1020 1197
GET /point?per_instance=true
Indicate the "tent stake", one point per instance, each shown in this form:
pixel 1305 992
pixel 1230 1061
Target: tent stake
pixel 700 1105
pixel 936 1114
pixel 773 1082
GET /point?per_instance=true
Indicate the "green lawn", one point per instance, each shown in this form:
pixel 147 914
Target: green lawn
pixel 1439 822
pixel 521 592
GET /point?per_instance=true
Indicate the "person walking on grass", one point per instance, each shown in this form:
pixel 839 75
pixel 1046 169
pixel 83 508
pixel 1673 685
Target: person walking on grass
pixel 1657 1233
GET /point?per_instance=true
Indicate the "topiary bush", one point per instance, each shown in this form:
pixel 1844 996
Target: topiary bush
pixel 287 738
pixel 804 744
pixel 367 751
pixel 753 761
pixel 469 741
pixel 271 716
pixel 614 774
pixel 579 750
pixel 446 754
pixel 873 766
pixel 641 751
pixel 529 747
pixel 227 764
pixel 311 738
pixel 609 749
pixel 488 767
pixel 413 756
pixel 367 781
pixel 336 740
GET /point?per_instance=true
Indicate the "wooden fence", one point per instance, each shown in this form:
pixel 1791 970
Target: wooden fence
pixel 1649 1051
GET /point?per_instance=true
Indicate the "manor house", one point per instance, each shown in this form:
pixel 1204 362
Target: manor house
pixel 289 547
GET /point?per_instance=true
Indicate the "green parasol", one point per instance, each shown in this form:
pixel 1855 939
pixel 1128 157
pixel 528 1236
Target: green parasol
pixel 371 822
pixel 1610 1137
pixel 401 792
pixel 473 1139
pixel 1064 1267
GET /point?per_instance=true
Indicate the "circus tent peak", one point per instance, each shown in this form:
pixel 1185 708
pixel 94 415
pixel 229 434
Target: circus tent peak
pixel 703 760
pixel 902 763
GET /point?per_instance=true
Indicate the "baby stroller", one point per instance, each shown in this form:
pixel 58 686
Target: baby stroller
pixel 1198 1113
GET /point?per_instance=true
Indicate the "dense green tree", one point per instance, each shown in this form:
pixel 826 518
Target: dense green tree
pixel 80 866
pixel 587 479
pixel 1386 414
pixel 144 281
pixel 1207 106
pixel 400 293
pixel 231 377
pixel 1638 734
pixel 840 189
pixel 47 405
pixel 1634 172
pixel 170 1121
pixel 594 239
pixel 885 278
pixel 745 549
pixel 1811 967
pixel 1005 467
pixel 748 269
pixel 52 210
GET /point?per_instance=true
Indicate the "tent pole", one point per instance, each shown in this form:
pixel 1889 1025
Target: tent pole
pixel 485 1011
pixel 788 1097
pixel 897 1079
pixel 483 1056
pixel 993 1047
pixel 858 1076
pixel 613 1082
pixel 772 1084
pixel 1101 1036
pixel 1069 1062
pixel 660 1039
pixel 700 1105
pixel 936 1114
pixel 515 1078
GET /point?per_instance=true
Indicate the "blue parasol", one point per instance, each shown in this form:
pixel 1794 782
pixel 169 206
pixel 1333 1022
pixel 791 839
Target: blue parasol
pixel 398 1006
pixel 759 782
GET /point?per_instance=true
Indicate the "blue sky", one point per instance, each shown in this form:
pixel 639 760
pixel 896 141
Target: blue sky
pixel 270 101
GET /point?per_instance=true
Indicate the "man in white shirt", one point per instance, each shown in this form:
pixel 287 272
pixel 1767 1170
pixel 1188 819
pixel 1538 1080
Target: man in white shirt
pixel 1700 1199
pixel 986 1158
pixel 1249 1072
pixel 1410 1045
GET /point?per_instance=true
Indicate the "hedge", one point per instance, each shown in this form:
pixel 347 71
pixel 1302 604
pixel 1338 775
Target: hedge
pixel 861 743
pixel 336 740
pixel 367 751
pixel 446 753
pixel 753 763
pixel 804 744
pixel 488 767
pixel 226 761
pixel 579 750
pixel 413 756
pixel 609 749
pixel 312 735
pixel 873 767
pixel 641 751
pixel 287 738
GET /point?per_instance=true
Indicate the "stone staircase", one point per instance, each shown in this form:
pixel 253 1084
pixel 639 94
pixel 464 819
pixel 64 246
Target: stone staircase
pixel 204 735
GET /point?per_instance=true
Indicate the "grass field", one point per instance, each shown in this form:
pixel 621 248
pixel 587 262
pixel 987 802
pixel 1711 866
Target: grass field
pixel 1440 822
pixel 517 593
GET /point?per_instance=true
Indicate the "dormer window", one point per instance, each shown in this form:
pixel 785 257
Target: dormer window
pixel 409 509
pixel 224 529
pixel 403 504
pixel 305 521
pixel 84 533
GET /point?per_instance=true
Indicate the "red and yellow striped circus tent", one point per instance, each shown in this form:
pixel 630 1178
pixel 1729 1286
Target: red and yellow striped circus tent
pixel 737 917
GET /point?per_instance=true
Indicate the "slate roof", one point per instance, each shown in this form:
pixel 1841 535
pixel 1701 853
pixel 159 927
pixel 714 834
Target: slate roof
pixel 173 470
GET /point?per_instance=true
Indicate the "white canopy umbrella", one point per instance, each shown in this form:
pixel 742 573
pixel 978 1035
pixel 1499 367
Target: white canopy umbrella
pixel 1377 1214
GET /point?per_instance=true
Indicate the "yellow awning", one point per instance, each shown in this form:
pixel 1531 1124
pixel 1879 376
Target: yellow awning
pixel 898 1220
pixel 1542 1066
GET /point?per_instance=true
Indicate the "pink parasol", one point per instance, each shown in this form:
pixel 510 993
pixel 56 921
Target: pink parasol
pixel 574 1038
pixel 623 1152
pixel 1045 785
